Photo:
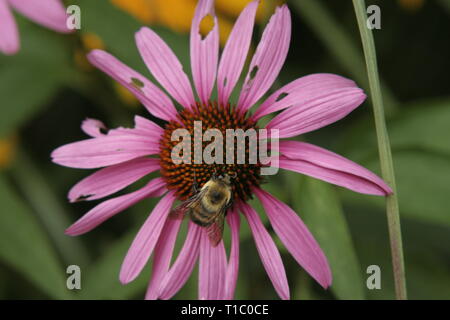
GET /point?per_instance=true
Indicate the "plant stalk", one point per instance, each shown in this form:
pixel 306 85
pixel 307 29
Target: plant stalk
pixel 384 148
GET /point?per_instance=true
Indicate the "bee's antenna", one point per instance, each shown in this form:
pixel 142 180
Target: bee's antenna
pixel 194 182
pixel 214 176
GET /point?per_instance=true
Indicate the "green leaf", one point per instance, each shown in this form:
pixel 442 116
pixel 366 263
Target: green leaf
pixel 421 154
pixel 31 78
pixel 422 125
pixel 321 211
pixel 426 255
pixel 101 280
pixel 25 247
pixel 23 93
pixel 51 212
pixel 422 180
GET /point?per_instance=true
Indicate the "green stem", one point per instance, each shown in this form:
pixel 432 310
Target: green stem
pixel 336 40
pixel 387 167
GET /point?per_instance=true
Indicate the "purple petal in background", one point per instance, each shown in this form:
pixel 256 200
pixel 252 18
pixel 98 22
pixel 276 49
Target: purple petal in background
pixel 9 35
pixel 49 13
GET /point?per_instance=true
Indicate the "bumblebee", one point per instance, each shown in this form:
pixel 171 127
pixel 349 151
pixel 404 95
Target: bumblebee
pixel 207 208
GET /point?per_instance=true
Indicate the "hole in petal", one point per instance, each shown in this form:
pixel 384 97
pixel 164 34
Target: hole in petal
pixel 252 76
pixel 281 96
pixel 83 197
pixel 206 26
pixel 254 72
pixel 225 82
pixel 138 84
pixel 103 130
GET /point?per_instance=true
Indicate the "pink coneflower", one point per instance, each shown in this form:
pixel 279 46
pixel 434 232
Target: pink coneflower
pixel 48 13
pixel 308 103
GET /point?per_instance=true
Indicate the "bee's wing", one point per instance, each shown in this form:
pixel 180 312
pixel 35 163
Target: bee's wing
pixel 215 230
pixel 180 211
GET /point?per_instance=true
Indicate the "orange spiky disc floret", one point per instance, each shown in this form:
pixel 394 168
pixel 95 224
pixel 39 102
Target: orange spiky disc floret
pixel 180 177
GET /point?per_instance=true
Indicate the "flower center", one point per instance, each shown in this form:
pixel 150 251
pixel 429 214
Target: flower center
pixel 183 176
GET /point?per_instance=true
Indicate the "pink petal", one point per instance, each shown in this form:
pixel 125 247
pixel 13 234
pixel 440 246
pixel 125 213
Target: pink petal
pixel 326 108
pixel 296 237
pixel 204 52
pixel 165 66
pixel 235 52
pixel 212 269
pixel 153 98
pixel 145 241
pixel 93 127
pixel 268 59
pixel 145 126
pixel 107 150
pixel 268 252
pixel 301 91
pixel 234 222
pixel 49 13
pixel 9 35
pixel 109 208
pixel 112 179
pixel 185 262
pixel 325 165
pixel 162 256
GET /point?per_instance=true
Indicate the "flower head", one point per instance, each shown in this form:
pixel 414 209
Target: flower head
pixel 48 13
pixel 306 104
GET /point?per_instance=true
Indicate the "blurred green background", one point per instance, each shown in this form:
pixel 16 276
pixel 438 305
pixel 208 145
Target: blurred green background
pixel 49 88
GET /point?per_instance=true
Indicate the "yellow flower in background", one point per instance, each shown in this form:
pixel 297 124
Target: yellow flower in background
pixel 89 42
pixel 177 15
pixel 7 151
pixel 234 7
pixel 125 95
pixel 140 9
pixel 411 5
